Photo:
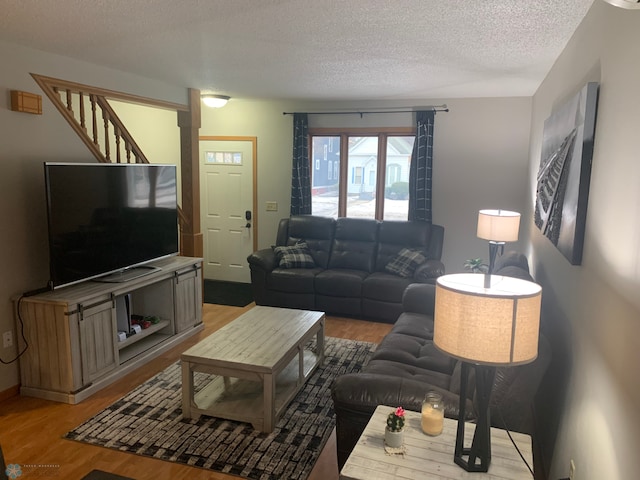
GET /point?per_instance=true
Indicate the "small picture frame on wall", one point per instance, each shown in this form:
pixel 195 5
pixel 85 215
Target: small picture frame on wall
pixel 564 174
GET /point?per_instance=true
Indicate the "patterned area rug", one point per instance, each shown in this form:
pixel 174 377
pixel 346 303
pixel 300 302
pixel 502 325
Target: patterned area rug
pixel 148 421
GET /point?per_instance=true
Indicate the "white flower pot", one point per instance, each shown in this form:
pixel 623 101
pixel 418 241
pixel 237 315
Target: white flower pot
pixel 393 439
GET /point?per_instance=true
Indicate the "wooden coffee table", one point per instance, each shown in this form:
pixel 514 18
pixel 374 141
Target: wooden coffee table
pixel 257 364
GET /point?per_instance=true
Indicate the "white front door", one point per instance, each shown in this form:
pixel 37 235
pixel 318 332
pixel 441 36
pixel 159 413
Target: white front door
pixel 227 206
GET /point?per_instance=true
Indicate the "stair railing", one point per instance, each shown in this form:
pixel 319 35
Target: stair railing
pixel 88 112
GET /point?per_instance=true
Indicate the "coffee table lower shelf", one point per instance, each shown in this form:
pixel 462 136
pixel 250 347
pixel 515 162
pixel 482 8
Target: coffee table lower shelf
pixel 240 395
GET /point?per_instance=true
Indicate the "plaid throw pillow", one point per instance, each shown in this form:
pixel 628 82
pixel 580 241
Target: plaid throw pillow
pixel 405 262
pixel 295 256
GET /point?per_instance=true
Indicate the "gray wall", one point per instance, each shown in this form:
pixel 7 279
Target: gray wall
pixel 592 311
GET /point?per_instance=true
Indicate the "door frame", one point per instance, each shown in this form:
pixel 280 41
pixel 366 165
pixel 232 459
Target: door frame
pixel 254 165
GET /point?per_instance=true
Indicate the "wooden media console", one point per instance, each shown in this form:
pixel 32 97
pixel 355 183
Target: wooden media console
pixel 73 349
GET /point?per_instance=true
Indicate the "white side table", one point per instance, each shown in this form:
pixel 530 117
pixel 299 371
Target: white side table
pixel 431 457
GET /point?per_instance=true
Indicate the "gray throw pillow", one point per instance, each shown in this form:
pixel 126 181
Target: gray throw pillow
pixel 406 262
pixel 295 256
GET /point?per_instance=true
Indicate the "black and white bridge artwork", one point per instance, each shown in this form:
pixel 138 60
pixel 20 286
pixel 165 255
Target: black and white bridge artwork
pixel 565 170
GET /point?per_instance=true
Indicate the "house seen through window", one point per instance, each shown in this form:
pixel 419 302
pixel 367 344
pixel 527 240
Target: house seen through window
pixel 362 174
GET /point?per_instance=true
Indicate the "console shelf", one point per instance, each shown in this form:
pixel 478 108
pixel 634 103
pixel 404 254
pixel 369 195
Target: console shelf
pixel 141 346
pixel 143 334
pixel 73 347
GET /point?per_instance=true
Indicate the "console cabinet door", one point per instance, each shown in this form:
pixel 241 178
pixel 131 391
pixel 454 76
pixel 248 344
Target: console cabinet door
pixel 98 346
pixel 188 298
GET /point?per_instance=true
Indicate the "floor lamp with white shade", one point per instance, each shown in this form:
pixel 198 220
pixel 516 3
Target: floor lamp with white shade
pixel 484 328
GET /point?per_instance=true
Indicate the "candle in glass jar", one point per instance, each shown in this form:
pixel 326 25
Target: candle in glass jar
pixel 432 420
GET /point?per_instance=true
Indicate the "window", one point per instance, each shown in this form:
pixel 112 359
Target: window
pixel 356 178
pixel 393 173
pixel 396 185
pixel 373 182
pixel 324 181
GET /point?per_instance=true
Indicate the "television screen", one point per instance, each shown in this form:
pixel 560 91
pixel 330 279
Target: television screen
pixel 105 217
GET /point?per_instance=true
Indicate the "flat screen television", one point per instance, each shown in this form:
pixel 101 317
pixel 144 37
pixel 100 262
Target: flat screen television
pixel 106 221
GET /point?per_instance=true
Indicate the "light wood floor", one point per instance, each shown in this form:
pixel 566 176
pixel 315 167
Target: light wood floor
pixel 31 429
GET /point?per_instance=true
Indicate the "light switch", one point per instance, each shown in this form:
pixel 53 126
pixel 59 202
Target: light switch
pixel 272 206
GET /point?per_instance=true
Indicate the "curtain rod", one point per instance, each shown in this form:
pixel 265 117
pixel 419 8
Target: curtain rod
pixel 435 108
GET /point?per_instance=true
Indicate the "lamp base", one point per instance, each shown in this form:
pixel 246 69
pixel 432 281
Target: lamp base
pixel 478 457
pixel 493 252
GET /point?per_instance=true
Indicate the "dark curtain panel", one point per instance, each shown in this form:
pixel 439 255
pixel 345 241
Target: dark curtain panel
pixel 300 176
pixel 420 172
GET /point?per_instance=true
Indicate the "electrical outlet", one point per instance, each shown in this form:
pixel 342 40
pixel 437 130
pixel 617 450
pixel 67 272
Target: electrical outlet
pixel 572 470
pixel 272 206
pixel 7 339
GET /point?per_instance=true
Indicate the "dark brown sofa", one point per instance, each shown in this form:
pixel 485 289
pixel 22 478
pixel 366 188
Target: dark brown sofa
pixel 406 365
pixel 348 274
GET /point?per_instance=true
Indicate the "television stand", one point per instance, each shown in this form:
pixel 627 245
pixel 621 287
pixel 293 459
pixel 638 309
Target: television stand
pixel 74 349
pixel 128 274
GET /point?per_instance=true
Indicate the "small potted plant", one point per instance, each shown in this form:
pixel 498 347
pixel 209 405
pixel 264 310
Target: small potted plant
pixel 393 433
pixel 476 265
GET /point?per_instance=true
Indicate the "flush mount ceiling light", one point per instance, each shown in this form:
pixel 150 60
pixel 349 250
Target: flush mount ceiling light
pixel 215 101
pixel 628 4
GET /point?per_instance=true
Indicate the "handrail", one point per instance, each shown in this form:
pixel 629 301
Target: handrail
pixel 126 97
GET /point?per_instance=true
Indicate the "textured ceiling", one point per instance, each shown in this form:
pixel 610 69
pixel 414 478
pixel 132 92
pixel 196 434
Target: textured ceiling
pixel 309 49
